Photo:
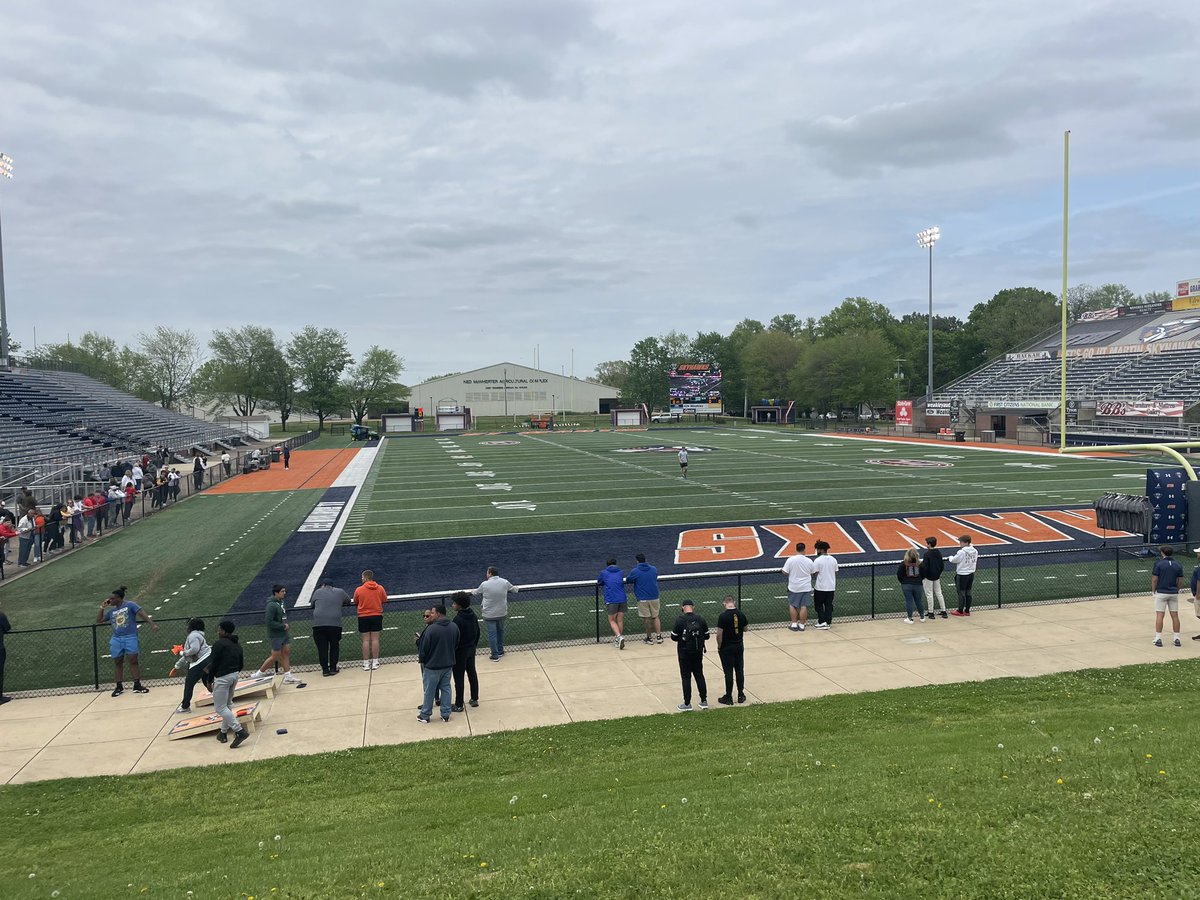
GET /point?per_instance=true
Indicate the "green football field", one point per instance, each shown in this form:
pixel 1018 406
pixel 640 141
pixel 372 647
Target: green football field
pixel 479 485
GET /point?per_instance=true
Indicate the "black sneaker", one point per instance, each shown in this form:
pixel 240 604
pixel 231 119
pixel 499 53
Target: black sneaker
pixel 239 739
pixel 457 707
pixel 424 720
pixel 118 690
pixel 726 700
pixel 138 689
pixel 944 614
pixel 476 702
pixel 741 698
pixel 445 718
pixel 222 737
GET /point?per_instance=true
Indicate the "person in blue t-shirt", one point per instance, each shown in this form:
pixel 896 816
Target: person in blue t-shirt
pixel 1164 582
pixel 644 578
pixel 124 616
pixel 613 580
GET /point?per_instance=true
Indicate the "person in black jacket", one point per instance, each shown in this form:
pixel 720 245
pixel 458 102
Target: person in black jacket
pixel 224 668
pixel 932 567
pixel 437 650
pixel 464 659
pixel 690 633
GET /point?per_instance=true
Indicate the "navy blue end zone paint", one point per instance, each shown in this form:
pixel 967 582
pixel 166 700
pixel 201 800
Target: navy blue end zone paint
pixel 447 564
pixel 292 562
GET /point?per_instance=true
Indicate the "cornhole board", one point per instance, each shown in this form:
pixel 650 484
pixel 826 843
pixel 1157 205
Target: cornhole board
pixel 267 684
pixel 247 715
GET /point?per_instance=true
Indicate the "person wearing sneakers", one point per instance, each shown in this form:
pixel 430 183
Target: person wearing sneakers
pixel 964 562
pixel 1195 585
pixel 494 594
pixel 932 567
pixel 369 597
pixel 613 580
pixel 193 656
pixel 1164 583
pixel 690 633
pixel 799 571
pixel 908 573
pixel 683 462
pixel 731 627
pixel 464 654
pixel 644 578
pixel 224 668
pixel 436 652
pixel 279 636
pixel 825 583
pixel 124 615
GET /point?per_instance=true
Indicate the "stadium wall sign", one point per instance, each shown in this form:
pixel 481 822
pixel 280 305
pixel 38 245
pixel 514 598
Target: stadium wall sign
pixel 1140 409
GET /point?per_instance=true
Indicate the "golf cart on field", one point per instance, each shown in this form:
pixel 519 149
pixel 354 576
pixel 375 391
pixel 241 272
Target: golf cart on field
pixel 362 433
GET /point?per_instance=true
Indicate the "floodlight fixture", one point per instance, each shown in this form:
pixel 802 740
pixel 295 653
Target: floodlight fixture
pixel 928 237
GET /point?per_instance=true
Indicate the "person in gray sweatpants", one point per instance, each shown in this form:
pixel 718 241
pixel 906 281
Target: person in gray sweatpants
pixel 225 667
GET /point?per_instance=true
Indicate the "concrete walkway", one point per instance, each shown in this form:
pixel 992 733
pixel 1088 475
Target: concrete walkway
pixel 95 734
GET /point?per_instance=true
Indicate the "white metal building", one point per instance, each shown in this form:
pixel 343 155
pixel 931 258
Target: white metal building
pixel 508 389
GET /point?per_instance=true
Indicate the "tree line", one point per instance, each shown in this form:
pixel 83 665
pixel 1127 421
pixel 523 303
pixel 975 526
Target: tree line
pixel 856 355
pixel 245 370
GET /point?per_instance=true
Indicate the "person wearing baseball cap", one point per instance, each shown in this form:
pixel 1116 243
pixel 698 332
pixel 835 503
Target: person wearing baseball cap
pixel 690 634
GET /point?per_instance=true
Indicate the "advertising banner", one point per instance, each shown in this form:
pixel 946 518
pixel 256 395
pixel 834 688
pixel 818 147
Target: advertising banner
pixel 696 388
pixel 1189 287
pixel 1140 408
pixel 904 412
pixel 1093 315
pixel 1025 357
pixel 1190 302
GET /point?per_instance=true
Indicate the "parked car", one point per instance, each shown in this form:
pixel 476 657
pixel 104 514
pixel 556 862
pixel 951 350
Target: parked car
pixel 666 417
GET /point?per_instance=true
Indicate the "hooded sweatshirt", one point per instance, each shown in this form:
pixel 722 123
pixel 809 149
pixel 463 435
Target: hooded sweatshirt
pixel 613 580
pixel 932 565
pixel 369 598
pixel 437 649
pixel 468 631
pixel 195 651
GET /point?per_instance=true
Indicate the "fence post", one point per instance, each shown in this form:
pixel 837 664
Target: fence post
pixel 96 657
pixel 999 583
pixel 596 605
pixel 1117 557
pixel 739 590
pixel 872 590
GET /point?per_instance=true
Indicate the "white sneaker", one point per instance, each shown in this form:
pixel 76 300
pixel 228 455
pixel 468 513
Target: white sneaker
pixel 908 621
pixel 621 643
pixel 259 675
pixel 366 665
pixel 800 626
pixel 794 627
pixel 374 664
pixel 289 678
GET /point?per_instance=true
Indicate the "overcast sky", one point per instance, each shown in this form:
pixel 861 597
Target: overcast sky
pixel 461 181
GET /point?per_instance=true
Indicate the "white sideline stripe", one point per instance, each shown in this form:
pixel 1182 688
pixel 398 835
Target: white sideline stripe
pixel 354 475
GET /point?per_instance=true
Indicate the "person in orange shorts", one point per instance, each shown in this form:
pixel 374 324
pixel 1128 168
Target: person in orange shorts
pixel 369 599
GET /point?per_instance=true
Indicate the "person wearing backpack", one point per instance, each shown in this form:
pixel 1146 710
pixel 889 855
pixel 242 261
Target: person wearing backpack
pixel 689 634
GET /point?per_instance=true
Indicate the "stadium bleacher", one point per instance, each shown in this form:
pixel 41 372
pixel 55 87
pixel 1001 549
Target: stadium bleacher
pixel 66 422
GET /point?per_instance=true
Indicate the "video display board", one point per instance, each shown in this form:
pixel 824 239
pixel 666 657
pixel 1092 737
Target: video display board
pixel 696 388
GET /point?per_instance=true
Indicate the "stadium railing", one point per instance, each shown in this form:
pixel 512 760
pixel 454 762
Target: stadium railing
pixel 72 659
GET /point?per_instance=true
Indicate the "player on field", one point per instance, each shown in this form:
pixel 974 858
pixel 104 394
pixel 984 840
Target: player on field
pixel 683 456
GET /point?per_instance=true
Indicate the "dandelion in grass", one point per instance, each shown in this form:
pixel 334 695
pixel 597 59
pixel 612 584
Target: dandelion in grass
pixel 1149 756
pixel 684 799
pixel 1096 741
pixel 279 837
pixel 1161 772
pixel 1087 795
pixel 999 746
pixel 1059 781
pixel 513 801
pixel 1053 749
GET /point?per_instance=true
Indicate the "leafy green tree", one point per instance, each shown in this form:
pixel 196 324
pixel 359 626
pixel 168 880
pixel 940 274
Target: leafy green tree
pixel 172 357
pixel 612 373
pixel 279 379
pixel 856 314
pixel 787 323
pixel 845 372
pixel 767 363
pixel 234 376
pixel 710 347
pixel 647 380
pixel 1155 297
pixel 735 390
pixel 374 380
pixel 1012 319
pixel 318 358
pixel 1083 297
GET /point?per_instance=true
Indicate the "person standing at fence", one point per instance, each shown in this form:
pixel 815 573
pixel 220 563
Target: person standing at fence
pixel 436 651
pixel 932 566
pixel 226 462
pixel 199 465
pixel 964 561
pixel 193 656
pixel 369 598
pixel 287 457
pixel 494 593
pixel 464 654
pixel 279 637
pixel 644 578
pixel 224 668
pixel 613 580
pixel 690 634
pixel 26 535
pixel 731 648
pixel 908 573
pixel 173 480
pixel 127 508
pixel 116 499
pixel 124 616
pixel 327 605
pixel 1164 583
pixel 825 568
pixel 799 570
pixel 5 628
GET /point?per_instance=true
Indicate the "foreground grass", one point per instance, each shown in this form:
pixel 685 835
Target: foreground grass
pixel 1075 785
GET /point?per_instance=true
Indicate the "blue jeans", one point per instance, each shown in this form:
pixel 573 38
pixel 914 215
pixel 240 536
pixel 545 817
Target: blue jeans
pixel 495 632
pixel 24 544
pixel 435 681
pixel 914 602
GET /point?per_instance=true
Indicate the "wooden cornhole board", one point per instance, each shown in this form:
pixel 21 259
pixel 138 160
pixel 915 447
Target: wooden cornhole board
pixel 247 715
pixel 267 684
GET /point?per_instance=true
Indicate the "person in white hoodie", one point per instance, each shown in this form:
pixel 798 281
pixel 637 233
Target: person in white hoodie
pixel 964 562
pixel 193 657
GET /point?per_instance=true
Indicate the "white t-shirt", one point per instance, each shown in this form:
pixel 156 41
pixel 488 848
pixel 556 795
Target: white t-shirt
pixel 826 567
pixel 683 457
pixel 965 560
pixel 799 571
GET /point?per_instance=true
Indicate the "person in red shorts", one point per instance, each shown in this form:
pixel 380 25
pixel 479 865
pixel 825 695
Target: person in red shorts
pixel 369 599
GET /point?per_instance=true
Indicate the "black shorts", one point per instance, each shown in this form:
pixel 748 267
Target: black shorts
pixel 370 624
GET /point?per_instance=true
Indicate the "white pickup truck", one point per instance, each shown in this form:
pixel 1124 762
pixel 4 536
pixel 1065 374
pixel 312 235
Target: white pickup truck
pixel 666 417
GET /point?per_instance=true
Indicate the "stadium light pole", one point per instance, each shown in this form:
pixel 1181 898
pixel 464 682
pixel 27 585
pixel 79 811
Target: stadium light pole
pixel 927 239
pixel 6 171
